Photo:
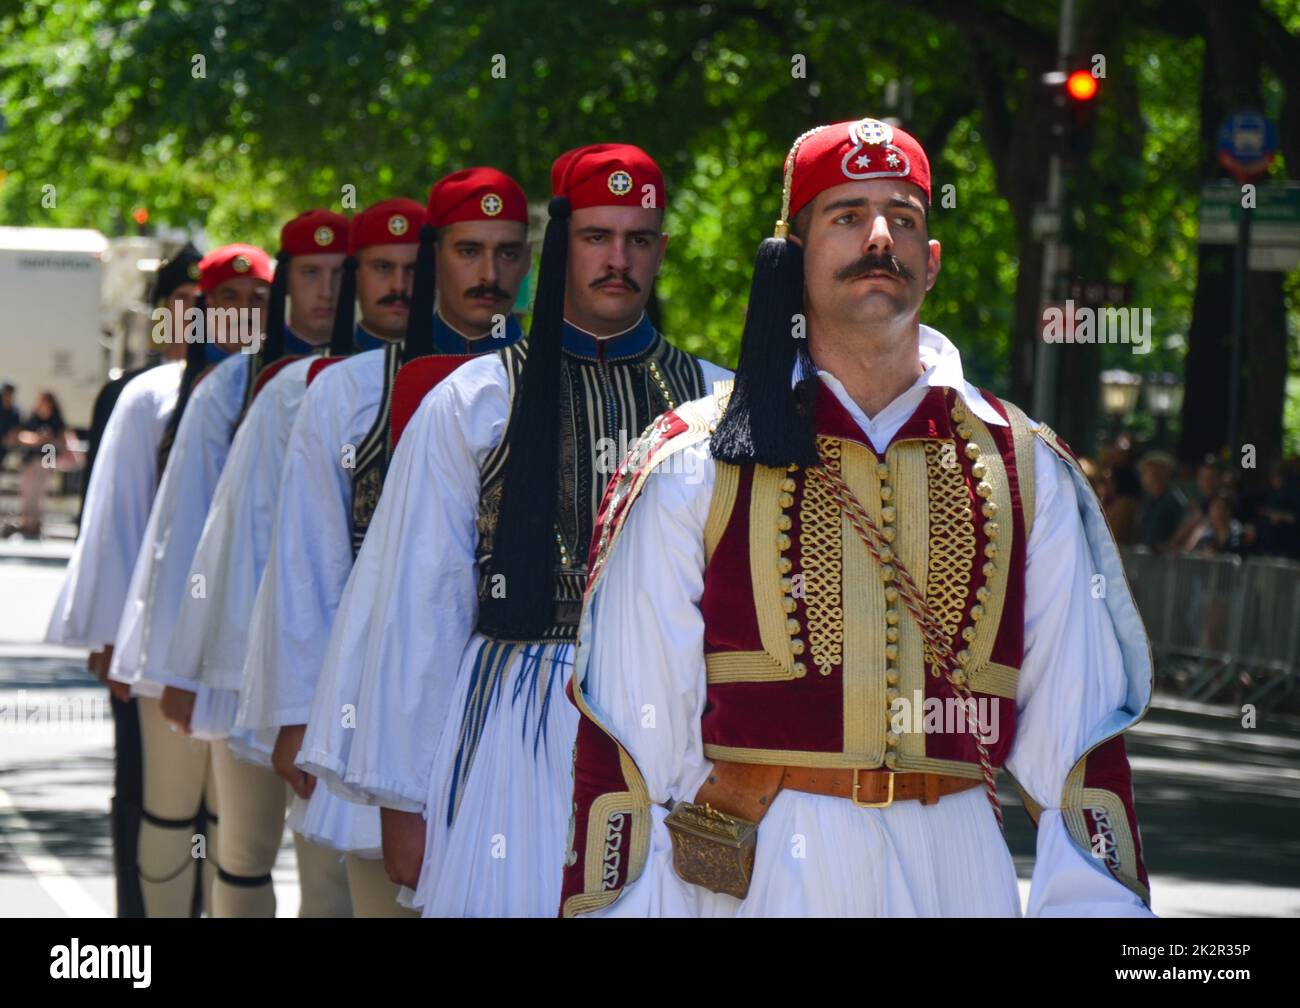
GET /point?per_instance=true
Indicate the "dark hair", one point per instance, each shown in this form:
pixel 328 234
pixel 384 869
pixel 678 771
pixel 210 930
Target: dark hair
pixel 56 414
pixel 801 222
pixel 1126 480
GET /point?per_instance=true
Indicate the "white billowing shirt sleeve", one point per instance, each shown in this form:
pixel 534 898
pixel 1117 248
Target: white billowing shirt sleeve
pixel 311 547
pixel 175 524
pixel 211 637
pixel 116 512
pixel 1071 678
pixel 645 677
pixel 410 605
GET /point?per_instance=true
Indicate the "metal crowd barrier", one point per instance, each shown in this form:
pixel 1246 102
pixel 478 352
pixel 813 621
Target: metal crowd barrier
pixel 1221 627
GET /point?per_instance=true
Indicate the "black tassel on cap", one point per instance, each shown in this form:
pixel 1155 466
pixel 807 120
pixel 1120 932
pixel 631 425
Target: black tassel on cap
pixel 419 321
pixel 342 339
pixel 523 546
pixel 174 272
pixel 196 359
pixel 766 421
pixel 272 348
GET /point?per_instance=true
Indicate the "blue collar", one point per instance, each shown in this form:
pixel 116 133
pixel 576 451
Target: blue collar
pixel 629 343
pixel 364 341
pixel 213 354
pixel 447 340
pixel 296 346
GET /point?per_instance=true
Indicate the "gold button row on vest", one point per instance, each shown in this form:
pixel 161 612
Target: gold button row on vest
pixel 784 565
pixel 888 515
pixel 984 490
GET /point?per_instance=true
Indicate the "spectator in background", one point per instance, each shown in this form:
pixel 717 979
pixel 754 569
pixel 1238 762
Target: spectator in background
pixel 41 437
pixel 9 419
pixel 1209 485
pixel 1222 532
pixel 1121 501
pixel 1163 507
pixel 1276 525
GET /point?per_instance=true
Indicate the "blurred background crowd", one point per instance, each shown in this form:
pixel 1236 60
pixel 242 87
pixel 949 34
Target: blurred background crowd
pixel 1152 501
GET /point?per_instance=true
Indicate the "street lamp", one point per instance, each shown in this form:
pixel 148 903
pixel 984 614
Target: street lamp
pixel 1119 393
pixel 1119 396
pixel 1164 397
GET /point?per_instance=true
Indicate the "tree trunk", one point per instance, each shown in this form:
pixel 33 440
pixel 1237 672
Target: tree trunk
pixel 1231 81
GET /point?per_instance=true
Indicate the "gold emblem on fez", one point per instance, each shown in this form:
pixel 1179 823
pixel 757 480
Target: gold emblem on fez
pixel 323 236
pixel 240 264
pixel 873 132
pixel 193 271
pixel 620 183
pixel 398 225
pixel 491 204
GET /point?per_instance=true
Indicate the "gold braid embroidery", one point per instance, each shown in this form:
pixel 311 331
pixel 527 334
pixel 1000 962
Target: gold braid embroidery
pixel 663 386
pixel 821 561
pixel 951 538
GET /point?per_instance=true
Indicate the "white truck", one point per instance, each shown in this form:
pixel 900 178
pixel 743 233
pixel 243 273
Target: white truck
pixel 72 312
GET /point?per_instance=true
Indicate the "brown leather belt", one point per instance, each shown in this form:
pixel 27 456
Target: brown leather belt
pixel 747 789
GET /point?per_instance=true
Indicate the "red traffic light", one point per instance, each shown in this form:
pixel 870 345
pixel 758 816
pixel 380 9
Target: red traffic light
pixel 1081 85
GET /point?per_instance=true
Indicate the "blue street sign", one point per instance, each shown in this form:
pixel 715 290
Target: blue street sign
pixel 1247 144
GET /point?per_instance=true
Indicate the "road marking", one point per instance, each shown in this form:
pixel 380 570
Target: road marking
pixel 49 870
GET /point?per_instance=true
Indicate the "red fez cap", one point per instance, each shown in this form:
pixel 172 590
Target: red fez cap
pixel 388 222
pixel 850 152
pixel 230 262
pixel 476 194
pixel 606 175
pixel 315 232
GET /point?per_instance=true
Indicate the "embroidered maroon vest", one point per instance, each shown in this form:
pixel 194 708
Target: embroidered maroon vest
pixel 812 659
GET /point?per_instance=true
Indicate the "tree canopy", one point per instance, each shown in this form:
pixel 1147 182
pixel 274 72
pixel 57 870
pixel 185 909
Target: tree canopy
pixel 232 116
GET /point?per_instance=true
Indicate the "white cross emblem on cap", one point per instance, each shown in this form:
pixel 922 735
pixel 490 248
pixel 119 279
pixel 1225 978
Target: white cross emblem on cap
pixel 620 183
pixel 324 236
pixel 873 131
pixel 397 225
pixel 490 204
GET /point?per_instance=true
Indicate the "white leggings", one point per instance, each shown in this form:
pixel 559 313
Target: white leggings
pixel 374 894
pixel 322 880
pixel 253 803
pixel 177 782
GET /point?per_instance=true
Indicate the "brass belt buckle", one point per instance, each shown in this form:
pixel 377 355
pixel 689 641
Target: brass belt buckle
pixel 889 800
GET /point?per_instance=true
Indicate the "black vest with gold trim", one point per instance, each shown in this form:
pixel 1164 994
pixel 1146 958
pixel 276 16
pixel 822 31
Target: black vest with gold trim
pixel 370 463
pixel 610 391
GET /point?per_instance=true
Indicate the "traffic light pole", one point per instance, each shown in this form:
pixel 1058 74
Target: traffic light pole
pixel 1238 328
pixel 1045 359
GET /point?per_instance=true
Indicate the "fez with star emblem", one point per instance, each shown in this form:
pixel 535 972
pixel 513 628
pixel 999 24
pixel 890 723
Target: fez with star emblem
pixel 766 422
pixel 394 221
pixel 469 194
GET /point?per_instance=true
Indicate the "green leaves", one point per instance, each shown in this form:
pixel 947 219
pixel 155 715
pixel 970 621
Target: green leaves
pixel 105 101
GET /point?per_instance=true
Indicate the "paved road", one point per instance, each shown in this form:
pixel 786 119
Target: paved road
pixel 1219 804
pixel 56 759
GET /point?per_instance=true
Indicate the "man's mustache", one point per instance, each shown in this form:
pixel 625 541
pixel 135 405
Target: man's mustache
pixel 397 297
pixel 487 290
pixel 871 262
pixel 621 278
